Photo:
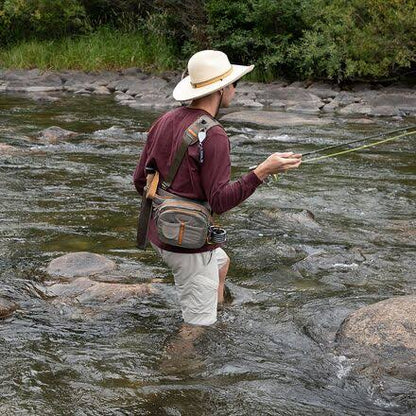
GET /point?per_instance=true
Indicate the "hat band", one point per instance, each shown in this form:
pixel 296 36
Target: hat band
pixel 212 80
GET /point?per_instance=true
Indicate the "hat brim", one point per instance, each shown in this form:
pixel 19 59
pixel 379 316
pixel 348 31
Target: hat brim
pixel 184 91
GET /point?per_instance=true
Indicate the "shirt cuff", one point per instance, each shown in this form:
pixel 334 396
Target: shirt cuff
pixel 252 180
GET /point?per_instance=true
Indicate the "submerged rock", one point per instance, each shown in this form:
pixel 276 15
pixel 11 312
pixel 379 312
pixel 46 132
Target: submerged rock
pixel 320 319
pixel 383 335
pixel 6 149
pixel 84 290
pixel 53 134
pixel 43 98
pixel 79 264
pixel 284 219
pixel 6 308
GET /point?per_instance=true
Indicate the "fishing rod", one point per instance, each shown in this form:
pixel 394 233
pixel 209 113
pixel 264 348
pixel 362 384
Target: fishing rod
pixel 387 133
pixel 411 133
pixel 408 133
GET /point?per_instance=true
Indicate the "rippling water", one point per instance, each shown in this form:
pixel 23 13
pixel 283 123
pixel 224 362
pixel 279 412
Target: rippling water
pixel 294 278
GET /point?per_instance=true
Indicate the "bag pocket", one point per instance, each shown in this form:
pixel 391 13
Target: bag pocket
pixel 182 224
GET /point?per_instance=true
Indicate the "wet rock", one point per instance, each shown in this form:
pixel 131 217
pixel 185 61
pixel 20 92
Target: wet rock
pixel 77 79
pixel 341 261
pixel 291 216
pixel 82 91
pixel 152 101
pixel 361 120
pixel 269 253
pixel 31 81
pixel 79 264
pixel 247 102
pixel 343 99
pixel 292 95
pixel 6 149
pixel 101 90
pixel 308 107
pixel 277 104
pixel 383 326
pixel 355 108
pixel 53 134
pixel 155 85
pixel 323 90
pixel 293 99
pixel 404 102
pixel 383 336
pixel 321 318
pixel 83 290
pixel 136 88
pixel 24 88
pixel 122 84
pixel 122 97
pixel 385 111
pixel 43 98
pixel 273 119
pixel 6 308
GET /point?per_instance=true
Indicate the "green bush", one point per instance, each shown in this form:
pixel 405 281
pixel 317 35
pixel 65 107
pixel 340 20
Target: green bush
pixel 259 31
pixel 41 19
pixel 331 39
pixel 350 39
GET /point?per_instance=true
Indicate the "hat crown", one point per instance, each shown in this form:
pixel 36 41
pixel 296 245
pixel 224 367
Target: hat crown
pixel 208 65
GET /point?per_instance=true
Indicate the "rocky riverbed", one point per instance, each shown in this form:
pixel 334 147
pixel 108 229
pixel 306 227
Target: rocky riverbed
pixel 322 270
pixel 301 102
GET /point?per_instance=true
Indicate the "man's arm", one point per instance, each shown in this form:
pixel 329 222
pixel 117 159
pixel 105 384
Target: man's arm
pixel 222 194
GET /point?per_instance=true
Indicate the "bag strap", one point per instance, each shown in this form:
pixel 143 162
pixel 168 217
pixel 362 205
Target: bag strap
pixel 190 137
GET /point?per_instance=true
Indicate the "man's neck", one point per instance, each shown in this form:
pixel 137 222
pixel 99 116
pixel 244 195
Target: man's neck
pixel 208 104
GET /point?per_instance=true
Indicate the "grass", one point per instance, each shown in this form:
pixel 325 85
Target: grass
pixel 102 50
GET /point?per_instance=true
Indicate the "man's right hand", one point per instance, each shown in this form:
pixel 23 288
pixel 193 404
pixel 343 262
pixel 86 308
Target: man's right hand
pixel 277 163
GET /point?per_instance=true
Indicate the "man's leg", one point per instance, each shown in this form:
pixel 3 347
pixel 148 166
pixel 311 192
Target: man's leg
pixel 196 280
pixel 223 264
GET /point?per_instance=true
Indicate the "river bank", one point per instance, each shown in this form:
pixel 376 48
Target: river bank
pixel 300 101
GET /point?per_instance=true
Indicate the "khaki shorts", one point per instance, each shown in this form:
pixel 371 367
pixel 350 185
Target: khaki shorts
pixel 196 279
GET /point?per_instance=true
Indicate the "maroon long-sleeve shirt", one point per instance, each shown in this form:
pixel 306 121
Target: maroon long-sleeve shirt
pixel 206 181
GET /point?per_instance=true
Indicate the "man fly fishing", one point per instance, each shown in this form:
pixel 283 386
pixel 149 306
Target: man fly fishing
pixel 184 174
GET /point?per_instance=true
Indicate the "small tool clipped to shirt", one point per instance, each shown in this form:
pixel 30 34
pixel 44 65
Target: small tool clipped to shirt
pixel 201 137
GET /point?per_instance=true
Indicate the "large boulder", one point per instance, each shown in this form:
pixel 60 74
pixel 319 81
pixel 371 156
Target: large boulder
pixel 79 264
pixel 86 278
pixel 385 326
pixel 84 290
pixel 383 335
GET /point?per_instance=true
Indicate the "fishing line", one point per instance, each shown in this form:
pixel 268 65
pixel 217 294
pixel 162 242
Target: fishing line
pixel 358 140
pixel 359 147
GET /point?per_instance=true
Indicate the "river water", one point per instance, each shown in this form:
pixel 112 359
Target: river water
pixel 321 242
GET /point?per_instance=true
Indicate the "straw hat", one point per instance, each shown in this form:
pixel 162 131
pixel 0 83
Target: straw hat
pixel 209 71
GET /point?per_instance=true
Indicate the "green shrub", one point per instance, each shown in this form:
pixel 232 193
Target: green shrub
pixel 259 31
pixel 335 39
pixel 41 19
pixel 350 39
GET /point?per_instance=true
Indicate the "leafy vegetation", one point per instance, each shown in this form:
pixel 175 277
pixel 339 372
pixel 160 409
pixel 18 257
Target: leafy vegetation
pixel 298 39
